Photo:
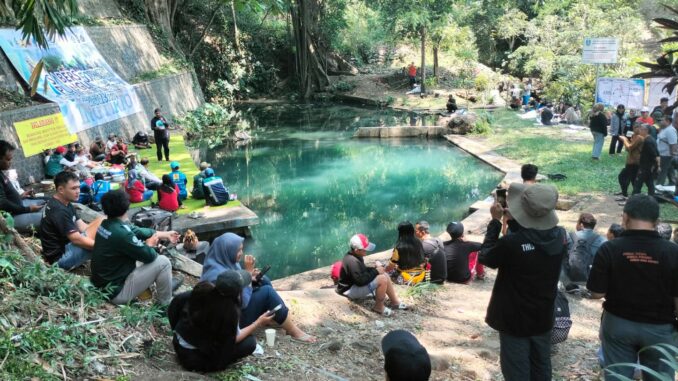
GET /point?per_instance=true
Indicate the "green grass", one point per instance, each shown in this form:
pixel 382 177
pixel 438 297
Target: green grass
pixel 553 152
pixel 178 152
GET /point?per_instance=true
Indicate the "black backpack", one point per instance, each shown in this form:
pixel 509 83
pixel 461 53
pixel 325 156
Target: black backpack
pixel 562 321
pixel 156 219
pixel 580 258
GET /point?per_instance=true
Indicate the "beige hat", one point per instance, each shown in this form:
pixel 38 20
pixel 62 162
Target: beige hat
pixel 204 165
pixel 533 206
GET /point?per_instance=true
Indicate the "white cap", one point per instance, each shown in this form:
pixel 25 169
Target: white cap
pixel 645 109
pixel 360 241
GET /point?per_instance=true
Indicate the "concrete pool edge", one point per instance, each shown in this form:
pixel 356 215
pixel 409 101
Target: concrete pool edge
pixel 475 223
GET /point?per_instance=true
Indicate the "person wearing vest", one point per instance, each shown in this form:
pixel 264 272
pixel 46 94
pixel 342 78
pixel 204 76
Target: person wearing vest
pixel 179 179
pixel 198 192
pixel 215 191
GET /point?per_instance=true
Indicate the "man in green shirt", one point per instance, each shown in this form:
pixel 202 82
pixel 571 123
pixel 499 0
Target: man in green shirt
pixel 198 179
pixel 117 248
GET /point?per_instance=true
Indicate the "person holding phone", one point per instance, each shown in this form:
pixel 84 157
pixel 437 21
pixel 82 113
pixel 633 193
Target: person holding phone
pixel 26 212
pixel 225 254
pixel 633 145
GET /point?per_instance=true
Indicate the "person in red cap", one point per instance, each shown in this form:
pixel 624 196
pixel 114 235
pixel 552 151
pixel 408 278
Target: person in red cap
pixel 357 281
pixel 56 162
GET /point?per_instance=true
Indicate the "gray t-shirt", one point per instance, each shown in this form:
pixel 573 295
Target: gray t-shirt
pixel 665 138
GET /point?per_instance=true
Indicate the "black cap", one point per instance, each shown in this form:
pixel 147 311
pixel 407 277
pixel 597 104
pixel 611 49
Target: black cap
pixel 231 282
pixel 455 229
pixel 404 358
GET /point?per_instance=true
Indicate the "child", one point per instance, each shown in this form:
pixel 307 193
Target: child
pixel 179 179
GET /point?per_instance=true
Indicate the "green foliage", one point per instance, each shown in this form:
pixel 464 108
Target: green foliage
pixel 210 123
pixel 364 33
pixel 341 87
pixel 422 290
pixel 483 124
pixel 168 68
pixel 431 82
pixel 669 354
pixel 481 82
pixel 40 19
pixel 237 373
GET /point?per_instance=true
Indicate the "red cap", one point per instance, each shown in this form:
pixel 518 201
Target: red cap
pixel 60 150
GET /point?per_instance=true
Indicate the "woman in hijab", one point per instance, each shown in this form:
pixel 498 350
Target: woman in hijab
pixel 225 254
pixel 134 187
pixel 408 253
pixel 205 324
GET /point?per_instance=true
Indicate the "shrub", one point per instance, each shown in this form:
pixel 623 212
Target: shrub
pixel 341 87
pixel 481 82
pixel 210 123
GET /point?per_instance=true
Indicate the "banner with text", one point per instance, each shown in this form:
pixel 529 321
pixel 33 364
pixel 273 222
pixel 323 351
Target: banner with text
pixel 75 76
pixel 616 91
pixel 39 134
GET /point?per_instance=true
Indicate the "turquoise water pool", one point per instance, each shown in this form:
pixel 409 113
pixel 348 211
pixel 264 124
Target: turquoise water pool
pixel 313 186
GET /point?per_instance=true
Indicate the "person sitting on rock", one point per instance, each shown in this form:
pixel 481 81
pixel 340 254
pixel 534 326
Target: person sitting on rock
pixel 205 321
pixel 408 257
pixel 215 191
pixel 179 178
pixel 224 255
pixel 451 104
pixel 118 247
pixel 462 256
pixel 168 195
pixel 26 211
pixel 140 140
pixel 198 192
pixel 357 281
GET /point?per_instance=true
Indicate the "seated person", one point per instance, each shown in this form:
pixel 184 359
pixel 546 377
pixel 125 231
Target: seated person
pixel 168 195
pixel 207 337
pixel 614 231
pixel 462 256
pixel 546 114
pixel 70 151
pixel 215 191
pixel 26 212
pixel 408 256
pixel 110 143
pixel 135 189
pixel 405 359
pixel 55 162
pixel 140 140
pixel 97 150
pixel 571 115
pixel 118 153
pixel 150 180
pixel 118 247
pixel 86 194
pixel 66 240
pixel 433 252
pixel 100 187
pixel 664 229
pixel 198 193
pixel 451 104
pixel 179 179
pixel 225 255
pixel 582 247
pixel 357 281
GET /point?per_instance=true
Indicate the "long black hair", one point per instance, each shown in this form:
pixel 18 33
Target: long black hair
pixel 167 184
pixel 410 249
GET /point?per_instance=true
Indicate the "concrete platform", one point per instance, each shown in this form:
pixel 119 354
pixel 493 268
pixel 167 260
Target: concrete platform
pixel 401 132
pixel 216 221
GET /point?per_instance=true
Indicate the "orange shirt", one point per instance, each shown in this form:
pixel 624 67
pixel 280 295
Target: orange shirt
pixel 647 120
pixel 412 71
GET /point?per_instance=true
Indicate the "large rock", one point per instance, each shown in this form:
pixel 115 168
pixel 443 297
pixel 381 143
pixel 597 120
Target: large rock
pixel 336 65
pixel 462 124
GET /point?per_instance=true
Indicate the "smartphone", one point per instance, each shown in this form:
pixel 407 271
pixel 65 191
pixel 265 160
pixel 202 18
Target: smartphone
pixel 262 273
pixel 500 197
pixel 629 133
pixel 275 309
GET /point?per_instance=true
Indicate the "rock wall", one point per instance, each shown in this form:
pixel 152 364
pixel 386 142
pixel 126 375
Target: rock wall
pixel 400 132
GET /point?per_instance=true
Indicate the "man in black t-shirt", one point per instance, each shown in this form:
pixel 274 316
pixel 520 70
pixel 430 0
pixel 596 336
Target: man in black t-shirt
pixel 160 129
pixel 66 239
pixel 649 162
pixel 140 140
pixel 462 256
pixel 637 274
pixel 433 252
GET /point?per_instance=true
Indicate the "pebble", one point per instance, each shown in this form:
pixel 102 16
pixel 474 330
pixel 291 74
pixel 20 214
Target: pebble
pixel 334 345
pixel 380 324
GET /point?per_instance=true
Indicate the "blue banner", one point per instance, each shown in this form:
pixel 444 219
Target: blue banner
pixel 75 76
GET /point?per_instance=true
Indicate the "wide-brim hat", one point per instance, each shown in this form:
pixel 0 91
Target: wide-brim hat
pixel 533 206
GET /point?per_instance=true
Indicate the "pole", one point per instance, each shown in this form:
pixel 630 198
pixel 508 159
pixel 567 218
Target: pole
pixel 595 91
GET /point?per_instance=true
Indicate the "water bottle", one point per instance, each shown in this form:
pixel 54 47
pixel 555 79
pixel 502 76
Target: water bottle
pixel 31 179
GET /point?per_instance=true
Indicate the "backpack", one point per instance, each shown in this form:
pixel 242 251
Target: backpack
pixel 562 322
pixel 335 272
pixel 156 219
pixel 437 262
pixel 580 258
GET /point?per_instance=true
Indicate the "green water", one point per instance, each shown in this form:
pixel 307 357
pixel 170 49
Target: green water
pixel 313 186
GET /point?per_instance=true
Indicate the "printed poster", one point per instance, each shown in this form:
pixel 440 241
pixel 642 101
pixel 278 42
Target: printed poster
pixel 39 134
pixel 75 76
pixel 616 91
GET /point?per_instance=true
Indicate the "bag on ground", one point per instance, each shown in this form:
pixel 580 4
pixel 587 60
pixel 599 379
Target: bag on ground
pixel 563 322
pixel 156 219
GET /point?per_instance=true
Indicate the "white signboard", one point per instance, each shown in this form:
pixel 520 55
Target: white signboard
pixel 621 91
pixel 600 50
pixel 656 92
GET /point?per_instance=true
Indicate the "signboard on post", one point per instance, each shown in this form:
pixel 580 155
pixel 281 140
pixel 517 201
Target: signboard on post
pixel 616 91
pixel 600 51
pixel 39 134
pixel 75 76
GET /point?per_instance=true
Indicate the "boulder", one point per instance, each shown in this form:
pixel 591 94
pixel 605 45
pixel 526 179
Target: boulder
pixel 461 124
pixel 336 65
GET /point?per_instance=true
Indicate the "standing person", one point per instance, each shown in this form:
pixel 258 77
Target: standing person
pixel 117 248
pixel 648 162
pixel 462 256
pixel 617 126
pixel 26 212
pixel 628 174
pixel 637 274
pixel 161 134
pixel 412 74
pixel 598 127
pixel 66 240
pixel 664 107
pixel 667 139
pixel 408 256
pixel 528 262
pixel 528 172
pixel 357 281
pixel 433 251
pixel 527 93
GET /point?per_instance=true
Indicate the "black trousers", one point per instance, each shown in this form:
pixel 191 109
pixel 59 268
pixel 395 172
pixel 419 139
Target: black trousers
pixel 194 360
pixel 162 145
pixel 645 176
pixel 626 177
pixel 614 141
pixel 525 358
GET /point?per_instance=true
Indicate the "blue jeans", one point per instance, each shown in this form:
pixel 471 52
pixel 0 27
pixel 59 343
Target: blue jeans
pixel 525 358
pixel 24 222
pixel 623 339
pixel 598 140
pixel 148 193
pixel 74 256
pixel 263 299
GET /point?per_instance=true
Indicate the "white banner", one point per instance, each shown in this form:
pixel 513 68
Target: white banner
pixel 616 91
pixel 600 51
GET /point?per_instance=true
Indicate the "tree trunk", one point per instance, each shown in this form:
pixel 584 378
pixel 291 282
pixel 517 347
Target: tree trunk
pixel 236 35
pixel 204 32
pixel 309 66
pixel 159 12
pixel 436 48
pixel 423 59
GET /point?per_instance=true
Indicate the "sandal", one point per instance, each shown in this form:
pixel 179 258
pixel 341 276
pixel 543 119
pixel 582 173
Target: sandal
pixel 386 312
pixel 402 306
pixel 305 339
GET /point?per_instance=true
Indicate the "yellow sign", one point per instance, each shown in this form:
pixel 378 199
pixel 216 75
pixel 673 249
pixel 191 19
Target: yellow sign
pixel 39 134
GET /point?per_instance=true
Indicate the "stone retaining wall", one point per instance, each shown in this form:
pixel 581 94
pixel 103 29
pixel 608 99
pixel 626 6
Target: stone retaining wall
pixel 401 132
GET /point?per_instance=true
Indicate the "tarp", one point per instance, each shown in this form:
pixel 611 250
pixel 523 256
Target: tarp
pixel 75 76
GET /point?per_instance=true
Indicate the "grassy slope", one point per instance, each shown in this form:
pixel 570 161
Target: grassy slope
pixel 556 151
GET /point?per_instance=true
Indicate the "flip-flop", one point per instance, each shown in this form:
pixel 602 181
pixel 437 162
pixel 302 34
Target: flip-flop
pixel 386 312
pixel 402 306
pixel 305 339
